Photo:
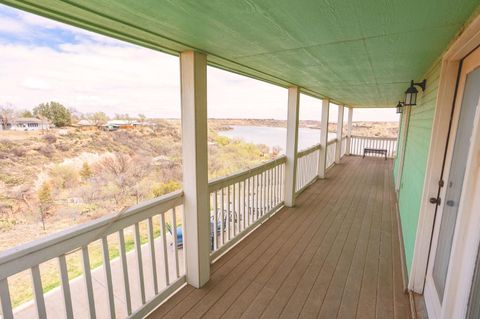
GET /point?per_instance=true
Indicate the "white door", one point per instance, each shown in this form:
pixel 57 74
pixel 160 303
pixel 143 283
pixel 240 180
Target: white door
pixel 455 172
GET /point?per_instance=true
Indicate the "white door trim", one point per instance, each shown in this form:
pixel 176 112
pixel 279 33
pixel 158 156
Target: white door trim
pixel 431 298
pixel 467 41
pixel 467 236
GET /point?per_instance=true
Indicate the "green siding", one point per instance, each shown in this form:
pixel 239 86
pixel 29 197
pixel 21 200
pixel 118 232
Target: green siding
pixel 399 142
pixel 416 153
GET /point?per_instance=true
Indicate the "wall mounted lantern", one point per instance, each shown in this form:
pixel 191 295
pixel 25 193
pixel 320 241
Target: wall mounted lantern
pixel 411 93
pixel 399 107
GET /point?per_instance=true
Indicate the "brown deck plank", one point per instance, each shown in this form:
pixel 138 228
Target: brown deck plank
pixel 335 255
pixel 332 301
pixel 384 305
pixel 318 247
pixel 267 261
pixel 367 300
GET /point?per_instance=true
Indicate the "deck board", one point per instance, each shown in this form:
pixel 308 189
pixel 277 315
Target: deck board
pixel 335 255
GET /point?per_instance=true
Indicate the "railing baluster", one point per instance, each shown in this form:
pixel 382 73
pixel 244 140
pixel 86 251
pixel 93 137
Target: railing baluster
pixel 6 301
pixel 222 223
pixel 123 255
pixel 164 248
pixel 88 281
pixel 38 292
pixel 108 276
pixel 151 241
pixel 244 204
pixel 175 241
pixel 215 220
pixel 256 197
pixel 138 248
pixel 228 214
pixel 234 214
pixel 67 296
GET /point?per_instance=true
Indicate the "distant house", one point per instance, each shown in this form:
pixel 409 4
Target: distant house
pixel 29 124
pixel 120 124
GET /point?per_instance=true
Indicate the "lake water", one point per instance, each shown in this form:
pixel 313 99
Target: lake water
pixel 274 136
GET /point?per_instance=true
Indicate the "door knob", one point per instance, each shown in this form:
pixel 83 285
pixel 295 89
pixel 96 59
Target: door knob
pixel 450 203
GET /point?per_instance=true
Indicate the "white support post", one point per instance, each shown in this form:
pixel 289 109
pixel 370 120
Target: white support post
pixel 292 145
pixel 193 78
pixel 349 130
pixel 322 158
pixel 338 150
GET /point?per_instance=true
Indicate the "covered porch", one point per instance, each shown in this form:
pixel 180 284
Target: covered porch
pixel 312 233
pixel 335 255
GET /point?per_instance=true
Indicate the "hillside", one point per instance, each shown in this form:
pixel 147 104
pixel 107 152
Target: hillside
pixel 61 177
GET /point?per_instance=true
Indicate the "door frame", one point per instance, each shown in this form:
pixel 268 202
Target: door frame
pixel 463 44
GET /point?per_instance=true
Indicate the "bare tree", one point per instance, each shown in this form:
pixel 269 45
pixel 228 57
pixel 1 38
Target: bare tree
pixel 6 115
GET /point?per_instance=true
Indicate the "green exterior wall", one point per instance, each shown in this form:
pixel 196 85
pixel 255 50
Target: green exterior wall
pixel 399 142
pixel 416 153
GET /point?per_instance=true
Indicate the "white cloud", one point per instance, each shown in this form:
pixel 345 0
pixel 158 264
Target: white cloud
pixel 35 84
pixel 11 25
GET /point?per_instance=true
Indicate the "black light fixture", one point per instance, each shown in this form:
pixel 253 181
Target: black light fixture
pixel 399 107
pixel 411 92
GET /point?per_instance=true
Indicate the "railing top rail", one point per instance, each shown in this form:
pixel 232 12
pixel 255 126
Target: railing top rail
pixel 309 150
pixel 221 182
pixel 332 141
pixel 375 138
pixel 27 255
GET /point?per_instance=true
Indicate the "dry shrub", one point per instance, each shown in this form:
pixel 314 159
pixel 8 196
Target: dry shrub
pixel 46 150
pixel 19 151
pixel 50 138
pixel 62 147
pixel 64 176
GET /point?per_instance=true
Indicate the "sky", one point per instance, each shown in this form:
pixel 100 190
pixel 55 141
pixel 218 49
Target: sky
pixel 43 60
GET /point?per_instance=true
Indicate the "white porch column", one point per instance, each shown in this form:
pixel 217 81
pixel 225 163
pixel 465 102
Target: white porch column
pixel 338 151
pixel 193 78
pixel 322 159
pixel 349 130
pixel 292 145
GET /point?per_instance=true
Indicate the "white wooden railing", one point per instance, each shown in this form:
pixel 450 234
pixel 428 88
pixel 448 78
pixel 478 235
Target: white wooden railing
pixel 331 149
pixel 307 167
pixel 359 143
pixel 149 262
pixel 240 202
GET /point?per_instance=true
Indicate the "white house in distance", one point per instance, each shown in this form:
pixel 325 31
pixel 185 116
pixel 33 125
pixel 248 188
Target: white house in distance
pixel 28 124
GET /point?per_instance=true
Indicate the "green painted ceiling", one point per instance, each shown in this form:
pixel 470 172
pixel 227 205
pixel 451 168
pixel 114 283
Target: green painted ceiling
pixel 357 52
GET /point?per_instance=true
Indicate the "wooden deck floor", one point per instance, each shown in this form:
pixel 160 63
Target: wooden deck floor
pixel 335 255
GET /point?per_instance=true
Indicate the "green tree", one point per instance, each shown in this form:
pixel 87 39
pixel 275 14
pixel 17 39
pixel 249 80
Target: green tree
pixel 26 113
pixel 86 171
pixel 45 198
pixel 58 114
